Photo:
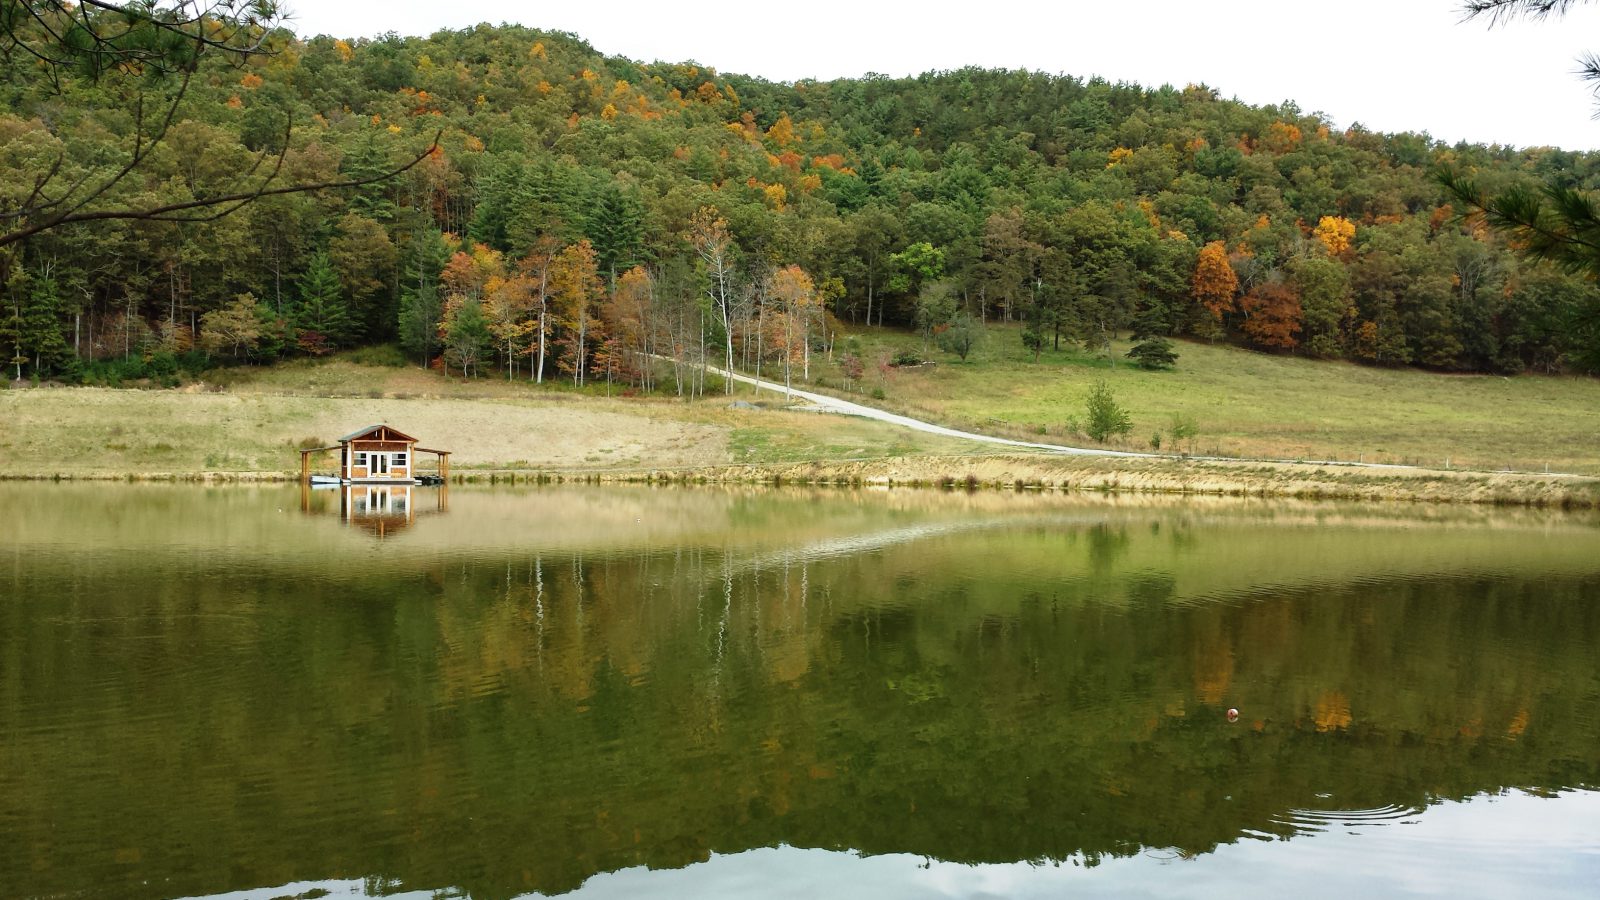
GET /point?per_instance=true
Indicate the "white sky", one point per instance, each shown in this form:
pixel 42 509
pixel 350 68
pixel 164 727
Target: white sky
pixel 1393 65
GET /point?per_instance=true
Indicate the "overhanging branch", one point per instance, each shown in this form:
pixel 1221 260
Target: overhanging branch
pixel 228 202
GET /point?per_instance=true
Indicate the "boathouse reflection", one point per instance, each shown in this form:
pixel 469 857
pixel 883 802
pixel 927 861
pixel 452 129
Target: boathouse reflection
pixel 381 509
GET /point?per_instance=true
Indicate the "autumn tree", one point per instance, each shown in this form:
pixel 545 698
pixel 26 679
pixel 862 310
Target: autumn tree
pixel 1336 234
pixel 1031 229
pixel 507 303
pixel 708 232
pixel 234 329
pixel 1272 315
pixel 534 269
pixel 627 317
pixel 574 289
pixel 795 295
pixel 1215 282
pixel 154 48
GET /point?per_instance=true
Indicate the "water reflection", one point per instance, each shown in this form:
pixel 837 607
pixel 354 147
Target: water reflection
pixel 382 510
pixel 199 694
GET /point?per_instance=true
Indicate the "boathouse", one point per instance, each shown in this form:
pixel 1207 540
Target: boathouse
pixel 377 454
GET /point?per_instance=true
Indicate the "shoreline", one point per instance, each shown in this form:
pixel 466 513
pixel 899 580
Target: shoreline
pixel 1015 472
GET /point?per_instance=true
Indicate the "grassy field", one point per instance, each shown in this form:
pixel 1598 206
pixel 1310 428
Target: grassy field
pixel 1252 404
pixel 254 421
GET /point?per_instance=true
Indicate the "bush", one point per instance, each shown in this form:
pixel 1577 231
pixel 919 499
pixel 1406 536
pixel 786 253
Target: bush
pixel 1154 353
pixel 961 336
pixel 387 355
pixel 852 367
pixel 1106 418
pixel 163 367
pixel 907 358
pixel 1182 428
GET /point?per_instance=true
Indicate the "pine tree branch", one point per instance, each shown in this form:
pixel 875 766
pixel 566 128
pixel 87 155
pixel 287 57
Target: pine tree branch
pixel 1501 12
pixel 229 202
pixel 1552 223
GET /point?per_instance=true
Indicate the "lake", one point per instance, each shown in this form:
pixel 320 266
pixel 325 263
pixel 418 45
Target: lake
pixel 259 692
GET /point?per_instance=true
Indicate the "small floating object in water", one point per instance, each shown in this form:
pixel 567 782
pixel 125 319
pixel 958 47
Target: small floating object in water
pixel 1233 715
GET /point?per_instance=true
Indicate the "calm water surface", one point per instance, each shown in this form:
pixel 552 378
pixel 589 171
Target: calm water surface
pixel 675 692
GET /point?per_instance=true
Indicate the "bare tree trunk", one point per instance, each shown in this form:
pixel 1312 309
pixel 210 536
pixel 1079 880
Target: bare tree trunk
pixel 788 352
pixel 539 372
pixel 702 353
pixel 761 330
pixel 869 293
pixel 805 347
pixel 583 329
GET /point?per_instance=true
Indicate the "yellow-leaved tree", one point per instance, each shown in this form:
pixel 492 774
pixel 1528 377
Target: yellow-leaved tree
pixel 1336 233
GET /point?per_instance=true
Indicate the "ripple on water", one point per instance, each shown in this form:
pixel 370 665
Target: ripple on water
pixel 1304 821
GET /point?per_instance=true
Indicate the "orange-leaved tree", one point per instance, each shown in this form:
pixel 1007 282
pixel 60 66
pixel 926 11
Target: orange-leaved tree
pixel 1272 315
pixel 627 317
pixel 1215 282
pixel 796 296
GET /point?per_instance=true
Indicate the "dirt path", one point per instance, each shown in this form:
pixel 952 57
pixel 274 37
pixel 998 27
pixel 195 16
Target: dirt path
pixel 848 408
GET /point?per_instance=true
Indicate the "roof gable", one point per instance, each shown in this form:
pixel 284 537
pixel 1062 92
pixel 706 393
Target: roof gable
pixel 377 433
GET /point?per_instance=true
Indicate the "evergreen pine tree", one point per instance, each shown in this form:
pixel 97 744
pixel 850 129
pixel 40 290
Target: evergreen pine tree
pixel 40 327
pixel 322 308
pixel 497 202
pixel 420 306
pixel 369 160
pixel 615 226
pixel 1154 352
pixel 1150 328
pixel 535 207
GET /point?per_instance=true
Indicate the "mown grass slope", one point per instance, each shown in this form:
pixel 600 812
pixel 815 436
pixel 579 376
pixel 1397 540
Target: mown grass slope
pixel 1249 404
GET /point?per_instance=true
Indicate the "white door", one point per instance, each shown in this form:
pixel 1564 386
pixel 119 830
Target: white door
pixel 379 463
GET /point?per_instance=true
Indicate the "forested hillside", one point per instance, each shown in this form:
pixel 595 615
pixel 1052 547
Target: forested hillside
pixel 581 211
